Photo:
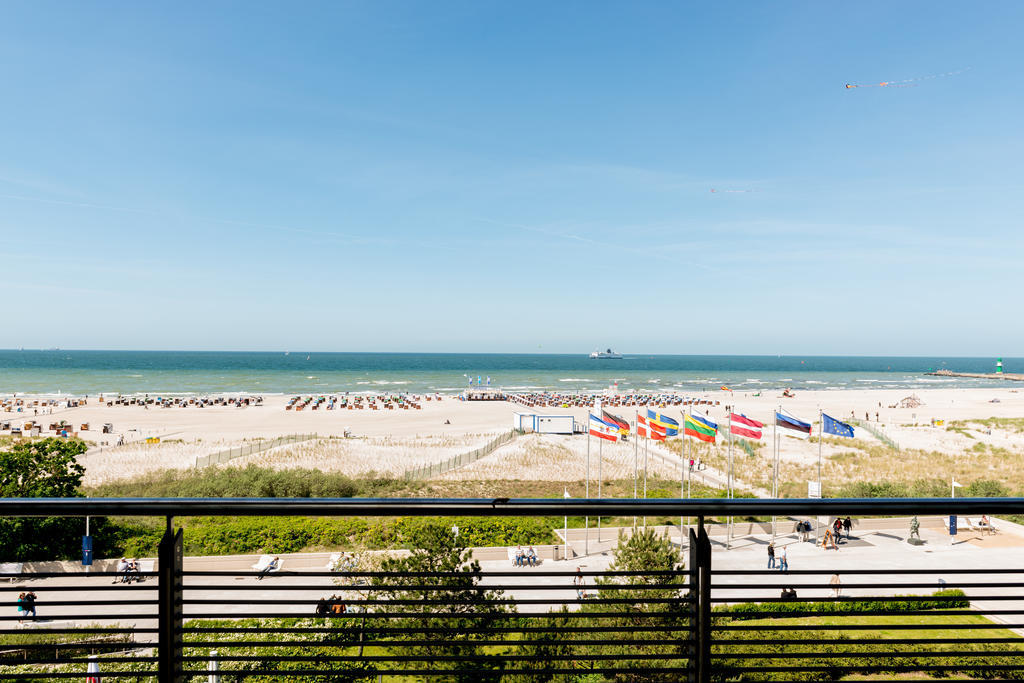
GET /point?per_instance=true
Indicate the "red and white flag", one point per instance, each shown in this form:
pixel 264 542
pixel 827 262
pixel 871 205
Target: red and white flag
pixel 646 428
pixel 741 425
pixel 603 430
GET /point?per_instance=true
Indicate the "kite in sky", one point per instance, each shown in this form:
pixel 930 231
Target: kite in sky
pixel 908 83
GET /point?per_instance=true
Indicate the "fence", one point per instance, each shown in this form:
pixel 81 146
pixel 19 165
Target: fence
pixel 678 621
pixel 461 459
pixel 250 448
pixel 878 434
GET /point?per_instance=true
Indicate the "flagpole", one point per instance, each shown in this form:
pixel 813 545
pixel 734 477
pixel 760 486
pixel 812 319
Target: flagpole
pixel 682 480
pixel 600 460
pixel 775 451
pixel 647 438
pixel 728 538
pixel 821 439
pixel 586 537
pixel 636 460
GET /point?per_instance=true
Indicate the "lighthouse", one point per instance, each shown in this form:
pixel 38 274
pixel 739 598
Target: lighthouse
pixel 999 366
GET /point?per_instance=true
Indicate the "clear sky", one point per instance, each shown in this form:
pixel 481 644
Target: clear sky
pixel 521 177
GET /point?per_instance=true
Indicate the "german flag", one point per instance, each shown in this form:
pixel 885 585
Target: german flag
pixel 616 420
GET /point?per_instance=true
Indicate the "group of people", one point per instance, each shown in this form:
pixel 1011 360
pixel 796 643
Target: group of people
pixel 525 558
pixel 128 571
pixel 332 605
pixel 26 606
pixel 779 555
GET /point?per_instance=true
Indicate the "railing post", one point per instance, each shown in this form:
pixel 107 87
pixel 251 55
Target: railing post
pixel 169 621
pixel 700 585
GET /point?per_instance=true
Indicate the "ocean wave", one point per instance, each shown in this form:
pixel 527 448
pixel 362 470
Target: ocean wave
pixel 812 381
pixel 383 382
pixel 574 379
pixel 867 380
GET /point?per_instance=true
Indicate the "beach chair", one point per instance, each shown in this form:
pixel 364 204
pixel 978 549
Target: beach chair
pixel 264 562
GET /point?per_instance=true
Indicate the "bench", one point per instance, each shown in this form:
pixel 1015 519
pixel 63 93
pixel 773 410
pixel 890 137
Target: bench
pixel 526 563
pixel 983 528
pixel 11 568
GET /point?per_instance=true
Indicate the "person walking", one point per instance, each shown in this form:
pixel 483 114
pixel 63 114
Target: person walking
pixel 771 556
pixel 836 585
pixel 783 559
pixel 847 526
pixel 579 583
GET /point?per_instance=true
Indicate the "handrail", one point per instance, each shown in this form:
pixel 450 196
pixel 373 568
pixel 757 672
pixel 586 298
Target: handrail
pixel 486 507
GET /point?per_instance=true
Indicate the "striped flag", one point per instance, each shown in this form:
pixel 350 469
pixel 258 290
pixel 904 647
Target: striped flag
pixel 670 426
pixel 603 430
pixel 745 427
pixel 644 427
pixel 791 426
pixel 700 428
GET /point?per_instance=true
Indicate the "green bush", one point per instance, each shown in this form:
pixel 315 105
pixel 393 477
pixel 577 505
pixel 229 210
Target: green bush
pixel 952 598
pixel 236 482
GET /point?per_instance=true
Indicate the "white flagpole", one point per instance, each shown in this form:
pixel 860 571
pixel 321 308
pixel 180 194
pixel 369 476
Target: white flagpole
pixel 636 461
pixel 821 439
pixel 600 460
pixel 647 438
pixel 683 464
pixel 728 538
pixel 586 537
pixel 775 451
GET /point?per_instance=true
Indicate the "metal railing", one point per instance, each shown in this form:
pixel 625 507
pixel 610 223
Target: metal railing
pixel 460 460
pixel 251 447
pixel 686 621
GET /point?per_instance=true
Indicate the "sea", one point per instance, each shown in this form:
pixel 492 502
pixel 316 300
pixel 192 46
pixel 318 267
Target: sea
pixel 173 373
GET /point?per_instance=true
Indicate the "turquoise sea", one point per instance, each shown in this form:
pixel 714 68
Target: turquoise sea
pixel 190 372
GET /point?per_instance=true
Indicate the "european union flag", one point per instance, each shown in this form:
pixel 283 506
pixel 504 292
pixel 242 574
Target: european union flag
pixel 830 425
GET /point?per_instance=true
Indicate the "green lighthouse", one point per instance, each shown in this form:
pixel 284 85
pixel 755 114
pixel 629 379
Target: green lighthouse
pixel 999 366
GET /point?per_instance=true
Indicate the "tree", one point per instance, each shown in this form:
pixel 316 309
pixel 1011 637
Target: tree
pixel 653 596
pixel 458 610
pixel 41 469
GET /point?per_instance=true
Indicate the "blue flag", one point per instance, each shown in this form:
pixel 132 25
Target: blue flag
pixel 830 425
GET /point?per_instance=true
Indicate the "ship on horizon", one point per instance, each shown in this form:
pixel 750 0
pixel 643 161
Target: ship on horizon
pixel 606 354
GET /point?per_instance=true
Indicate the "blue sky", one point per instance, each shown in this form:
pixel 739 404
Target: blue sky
pixel 512 177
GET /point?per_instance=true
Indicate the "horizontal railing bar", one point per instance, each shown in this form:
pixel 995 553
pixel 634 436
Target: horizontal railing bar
pixel 775 642
pixel 81 674
pixel 91 629
pixel 90 644
pixel 874 627
pixel 887 571
pixel 431 601
pixel 875 613
pixel 846 586
pixel 442 587
pixel 483 507
pixel 424 615
pixel 360 673
pixel 453 575
pixel 896 654
pixel 649 656
pixel 368 642
pixel 958 668
pixel 396 630
pixel 86 618
pixel 79 660
pixel 860 600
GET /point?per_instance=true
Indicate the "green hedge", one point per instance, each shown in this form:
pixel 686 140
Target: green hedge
pixel 952 598
pixel 248 535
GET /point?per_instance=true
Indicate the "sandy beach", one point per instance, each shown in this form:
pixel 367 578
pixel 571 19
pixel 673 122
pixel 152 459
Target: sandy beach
pixel 390 441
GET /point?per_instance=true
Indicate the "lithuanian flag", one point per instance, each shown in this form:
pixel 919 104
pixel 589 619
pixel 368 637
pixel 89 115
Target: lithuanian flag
pixel 700 428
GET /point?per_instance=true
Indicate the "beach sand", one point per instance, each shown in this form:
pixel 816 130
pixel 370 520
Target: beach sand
pixel 389 440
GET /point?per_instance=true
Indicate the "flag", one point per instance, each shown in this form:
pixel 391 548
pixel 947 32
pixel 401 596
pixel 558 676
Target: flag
pixel 792 426
pixel 956 483
pixel 700 428
pixel 745 427
pixel 616 420
pixel 603 430
pixel 670 426
pixel 830 425
pixel 645 428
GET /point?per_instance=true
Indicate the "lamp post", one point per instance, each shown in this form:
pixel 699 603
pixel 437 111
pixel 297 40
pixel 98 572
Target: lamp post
pixel 455 532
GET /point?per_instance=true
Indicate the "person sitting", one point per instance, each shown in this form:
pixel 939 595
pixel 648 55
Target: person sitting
pixel 133 568
pixel 122 571
pixel 531 556
pixel 321 607
pixel 788 594
pixel 271 566
pixel 520 556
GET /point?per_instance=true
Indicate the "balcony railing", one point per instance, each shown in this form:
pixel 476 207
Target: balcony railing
pixel 703 620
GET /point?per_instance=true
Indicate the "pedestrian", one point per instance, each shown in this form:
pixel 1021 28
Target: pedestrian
pixel 847 525
pixel 783 559
pixel 579 583
pixel 836 585
pixel 22 611
pixel 30 604
pixel 771 556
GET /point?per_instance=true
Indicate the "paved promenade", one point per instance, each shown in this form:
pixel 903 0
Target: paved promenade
pixel 877 546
